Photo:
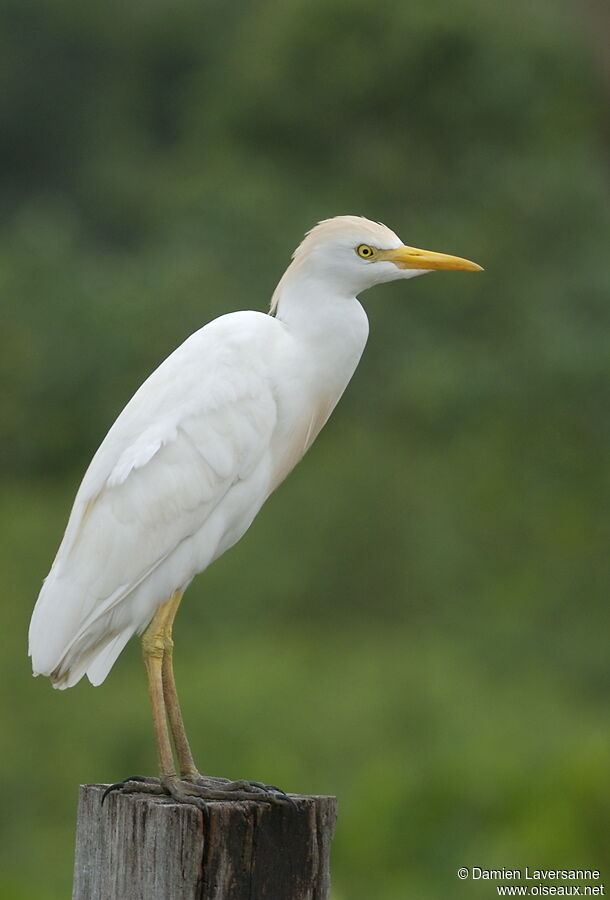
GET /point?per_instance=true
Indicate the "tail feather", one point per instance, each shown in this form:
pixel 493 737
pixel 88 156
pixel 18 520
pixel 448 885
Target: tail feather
pixel 94 662
pixel 106 657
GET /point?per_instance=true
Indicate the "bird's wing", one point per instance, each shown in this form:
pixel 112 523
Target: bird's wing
pixel 198 426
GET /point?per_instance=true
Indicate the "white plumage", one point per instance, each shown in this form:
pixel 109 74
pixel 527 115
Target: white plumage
pixel 209 435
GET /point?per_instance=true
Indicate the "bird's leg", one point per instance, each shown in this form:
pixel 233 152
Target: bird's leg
pixel 157 649
pixel 186 763
pixel 188 769
pixel 153 651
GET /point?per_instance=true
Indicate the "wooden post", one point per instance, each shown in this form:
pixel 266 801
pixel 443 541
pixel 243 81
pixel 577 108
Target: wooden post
pixel 144 847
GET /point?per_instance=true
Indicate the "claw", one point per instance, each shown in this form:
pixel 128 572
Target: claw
pixel 267 787
pixel 110 788
pixel 121 785
pixel 274 789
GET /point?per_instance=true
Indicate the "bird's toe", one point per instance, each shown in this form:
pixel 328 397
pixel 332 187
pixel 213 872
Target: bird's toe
pixel 215 788
pixel 135 783
pixel 202 790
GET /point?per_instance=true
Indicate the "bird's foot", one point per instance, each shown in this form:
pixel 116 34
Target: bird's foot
pixel 233 790
pixel 201 789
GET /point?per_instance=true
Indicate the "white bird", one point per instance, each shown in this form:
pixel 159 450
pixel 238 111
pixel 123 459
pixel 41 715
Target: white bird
pixel 191 459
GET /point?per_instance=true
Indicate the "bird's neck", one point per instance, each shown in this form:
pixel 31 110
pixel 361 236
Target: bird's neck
pixel 326 318
pixel 325 336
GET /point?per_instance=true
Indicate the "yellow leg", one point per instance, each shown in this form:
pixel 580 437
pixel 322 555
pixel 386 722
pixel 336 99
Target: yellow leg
pixel 186 763
pixel 157 647
pixel 153 649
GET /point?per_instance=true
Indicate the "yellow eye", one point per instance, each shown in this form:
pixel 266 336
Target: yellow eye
pixel 365 251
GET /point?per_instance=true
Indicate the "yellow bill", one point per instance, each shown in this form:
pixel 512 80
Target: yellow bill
pixel 412 258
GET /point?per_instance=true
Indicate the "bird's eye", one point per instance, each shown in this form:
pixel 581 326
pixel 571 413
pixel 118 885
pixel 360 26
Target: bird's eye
pixel 365 251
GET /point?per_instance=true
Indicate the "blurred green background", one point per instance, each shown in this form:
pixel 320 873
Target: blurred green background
pixel 417 621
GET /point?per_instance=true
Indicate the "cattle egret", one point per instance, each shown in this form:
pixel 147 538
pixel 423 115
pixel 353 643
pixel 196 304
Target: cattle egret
pixel 188 464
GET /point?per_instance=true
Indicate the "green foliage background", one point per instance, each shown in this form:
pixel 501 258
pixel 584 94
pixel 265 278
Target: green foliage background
pixel 417 621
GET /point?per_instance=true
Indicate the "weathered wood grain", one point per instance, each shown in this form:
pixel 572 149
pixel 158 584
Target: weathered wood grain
pixel 141 847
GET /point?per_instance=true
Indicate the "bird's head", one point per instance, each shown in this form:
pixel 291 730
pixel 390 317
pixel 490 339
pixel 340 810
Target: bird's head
pixel 351 254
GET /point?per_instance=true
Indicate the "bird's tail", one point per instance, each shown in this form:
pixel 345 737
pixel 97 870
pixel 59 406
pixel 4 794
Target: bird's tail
pixel 95 663
pixel 65 643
